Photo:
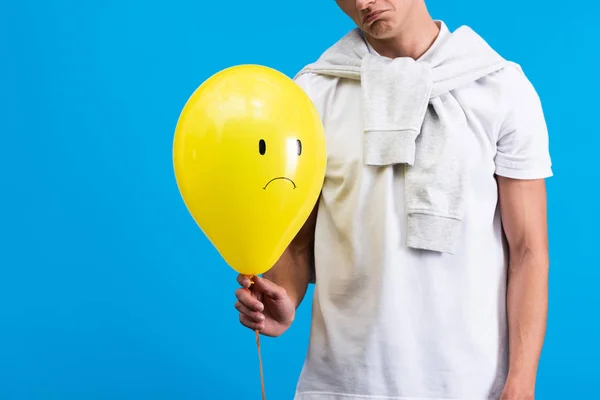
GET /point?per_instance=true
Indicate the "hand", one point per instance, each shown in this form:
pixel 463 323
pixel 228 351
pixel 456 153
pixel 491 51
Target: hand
pixel 266 308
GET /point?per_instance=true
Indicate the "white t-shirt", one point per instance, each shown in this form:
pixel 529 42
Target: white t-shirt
pixel 391 322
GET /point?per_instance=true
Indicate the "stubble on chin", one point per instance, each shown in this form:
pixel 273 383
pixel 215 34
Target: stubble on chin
pixel 378 30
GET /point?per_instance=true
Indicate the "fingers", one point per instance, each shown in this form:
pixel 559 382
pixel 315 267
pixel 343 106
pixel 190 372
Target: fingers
pixel 262 285
pixel 249 307
pixel 248 300
pixel 244 281
pixel 248 323
pixel 269 288
pixel 252 316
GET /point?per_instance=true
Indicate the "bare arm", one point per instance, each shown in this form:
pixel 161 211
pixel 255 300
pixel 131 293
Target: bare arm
pixel 523 210
pixel 294 269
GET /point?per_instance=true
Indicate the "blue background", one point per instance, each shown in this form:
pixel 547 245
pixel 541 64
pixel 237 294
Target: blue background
pixel 108 290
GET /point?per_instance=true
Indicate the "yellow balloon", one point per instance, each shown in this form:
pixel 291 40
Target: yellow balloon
pixel 249 155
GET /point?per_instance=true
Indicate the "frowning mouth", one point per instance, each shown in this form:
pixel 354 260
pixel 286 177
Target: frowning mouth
pixel 372 16
pixel 280 177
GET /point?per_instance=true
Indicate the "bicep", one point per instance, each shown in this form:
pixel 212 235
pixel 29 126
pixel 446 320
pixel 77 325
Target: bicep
pixel 522 164
pixel 523 208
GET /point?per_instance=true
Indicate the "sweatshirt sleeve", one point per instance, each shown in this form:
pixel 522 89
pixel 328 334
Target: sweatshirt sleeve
pixel 522 148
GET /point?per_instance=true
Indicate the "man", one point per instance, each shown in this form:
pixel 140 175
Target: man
pixel 429 252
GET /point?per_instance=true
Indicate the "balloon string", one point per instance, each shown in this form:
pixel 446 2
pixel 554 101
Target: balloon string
pixel 262 378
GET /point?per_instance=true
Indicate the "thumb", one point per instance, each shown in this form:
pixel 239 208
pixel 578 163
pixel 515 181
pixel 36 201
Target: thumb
pixel 269 288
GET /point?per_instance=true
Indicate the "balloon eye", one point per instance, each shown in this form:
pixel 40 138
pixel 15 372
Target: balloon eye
pixel 262 147
pixel 299 143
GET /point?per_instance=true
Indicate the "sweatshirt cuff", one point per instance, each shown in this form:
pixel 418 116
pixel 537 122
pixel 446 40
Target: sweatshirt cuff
pixel 432 232
pixel 390 147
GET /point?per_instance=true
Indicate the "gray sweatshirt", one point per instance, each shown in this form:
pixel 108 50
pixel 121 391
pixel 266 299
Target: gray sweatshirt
pixel 411 118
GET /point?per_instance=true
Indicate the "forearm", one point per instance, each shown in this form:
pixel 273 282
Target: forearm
pixel 292 272
pixel 527 303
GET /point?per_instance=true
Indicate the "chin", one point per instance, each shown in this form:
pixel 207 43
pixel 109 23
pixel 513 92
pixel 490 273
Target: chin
pixel 380 30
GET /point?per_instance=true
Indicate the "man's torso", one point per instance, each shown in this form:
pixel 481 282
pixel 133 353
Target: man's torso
pixel 393 321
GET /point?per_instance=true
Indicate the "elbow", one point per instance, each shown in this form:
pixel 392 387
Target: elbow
pixel 301 247
pixel 525 254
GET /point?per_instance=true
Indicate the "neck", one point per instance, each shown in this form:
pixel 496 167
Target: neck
pixel 414 38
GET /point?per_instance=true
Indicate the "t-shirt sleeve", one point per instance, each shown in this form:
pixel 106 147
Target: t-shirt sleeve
pixel 308 82
pixel 522 148
pixel 302 80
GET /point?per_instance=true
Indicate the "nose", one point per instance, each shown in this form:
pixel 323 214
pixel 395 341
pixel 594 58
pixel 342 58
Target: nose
pixel 363 4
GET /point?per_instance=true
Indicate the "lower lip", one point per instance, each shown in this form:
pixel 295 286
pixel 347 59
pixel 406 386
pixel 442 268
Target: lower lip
pixel 373 17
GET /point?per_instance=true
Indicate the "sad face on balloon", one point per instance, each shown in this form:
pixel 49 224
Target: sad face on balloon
pixel 249 156
pixel 293 146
